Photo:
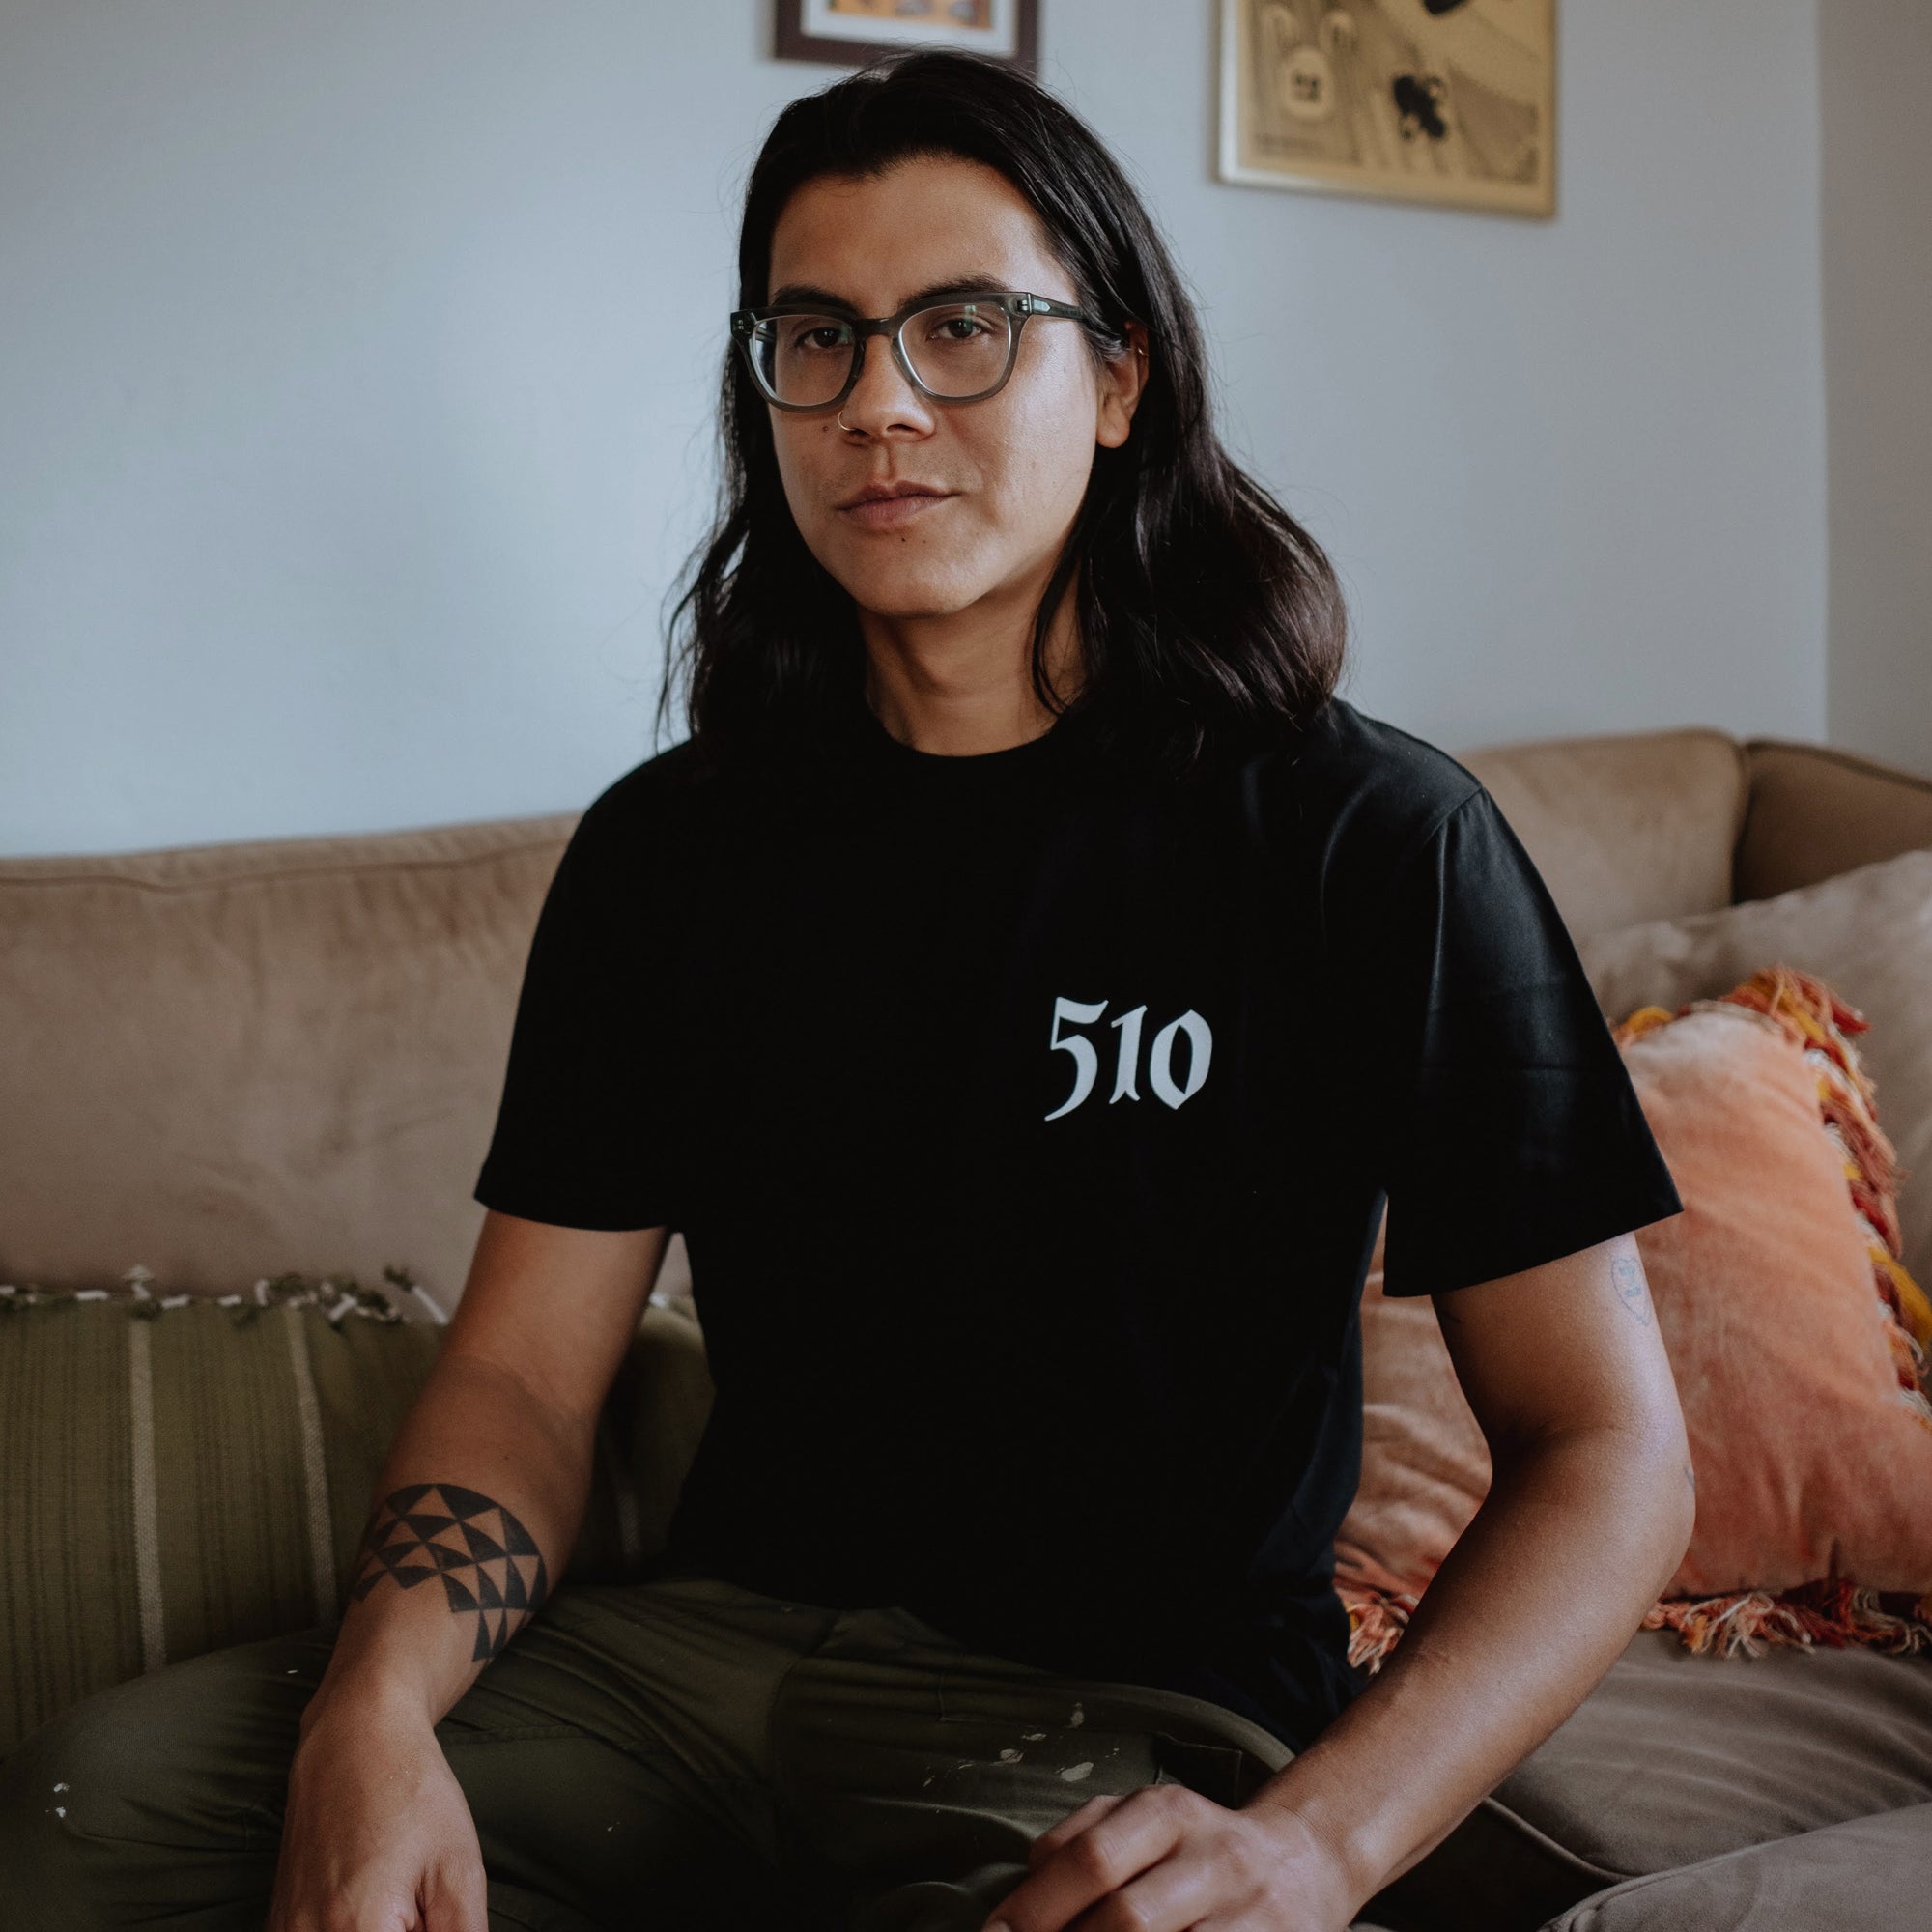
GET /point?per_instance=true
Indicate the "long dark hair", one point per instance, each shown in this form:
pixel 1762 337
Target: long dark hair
pixel 1210 621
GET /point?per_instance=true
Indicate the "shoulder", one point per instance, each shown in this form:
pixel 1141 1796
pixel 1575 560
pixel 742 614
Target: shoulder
pixel 1364 791
pixel 683 812
pixel 668 782
pixel 1348 814
pixel 682 791
pixel 645 819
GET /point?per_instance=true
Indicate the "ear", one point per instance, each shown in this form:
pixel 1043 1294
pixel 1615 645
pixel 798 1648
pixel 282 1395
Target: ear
pixel 1121 382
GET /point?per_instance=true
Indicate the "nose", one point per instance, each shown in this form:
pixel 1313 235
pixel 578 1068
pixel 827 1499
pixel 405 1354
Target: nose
pixel 882 401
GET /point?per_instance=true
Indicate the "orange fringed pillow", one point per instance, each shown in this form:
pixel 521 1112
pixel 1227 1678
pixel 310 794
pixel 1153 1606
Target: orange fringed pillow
pixel 1799 1341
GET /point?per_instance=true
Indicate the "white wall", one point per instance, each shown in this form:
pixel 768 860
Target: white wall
pixel 1876 63
pixel 356 362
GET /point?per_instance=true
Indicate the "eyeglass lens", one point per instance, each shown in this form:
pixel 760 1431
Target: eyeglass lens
pixel 956 348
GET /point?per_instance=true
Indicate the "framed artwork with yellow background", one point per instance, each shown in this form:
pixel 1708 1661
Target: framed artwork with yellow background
pixel 1450 101
pixel 850 33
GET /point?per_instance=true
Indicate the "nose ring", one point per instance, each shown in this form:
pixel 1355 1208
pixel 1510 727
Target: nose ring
pixel 842 423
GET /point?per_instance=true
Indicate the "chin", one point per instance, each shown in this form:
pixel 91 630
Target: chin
pixel 912 591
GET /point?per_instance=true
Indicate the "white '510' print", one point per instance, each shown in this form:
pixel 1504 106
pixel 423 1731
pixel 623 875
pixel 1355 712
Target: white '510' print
pixel 1127 1054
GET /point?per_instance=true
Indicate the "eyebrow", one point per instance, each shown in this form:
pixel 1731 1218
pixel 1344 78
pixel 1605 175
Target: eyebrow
pixel 809 292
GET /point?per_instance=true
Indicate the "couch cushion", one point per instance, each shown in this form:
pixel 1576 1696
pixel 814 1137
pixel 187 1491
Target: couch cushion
pixel 175 1478
pixel 1673 1759
pixel 227 1061
pixel 1629 826
pixel 1868 1873
pixel 1868 933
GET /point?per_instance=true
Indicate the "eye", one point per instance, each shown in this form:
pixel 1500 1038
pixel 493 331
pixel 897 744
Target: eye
pixel 960 325
pixel 816 333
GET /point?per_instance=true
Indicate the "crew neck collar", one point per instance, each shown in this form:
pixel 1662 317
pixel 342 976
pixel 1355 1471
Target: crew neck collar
pixel 945 769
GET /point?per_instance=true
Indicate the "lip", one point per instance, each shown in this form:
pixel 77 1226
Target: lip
pixel 906 502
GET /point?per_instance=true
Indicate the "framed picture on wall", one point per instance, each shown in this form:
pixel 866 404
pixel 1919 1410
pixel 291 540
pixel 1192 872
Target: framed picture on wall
pixel 851 32
pixel 1450 101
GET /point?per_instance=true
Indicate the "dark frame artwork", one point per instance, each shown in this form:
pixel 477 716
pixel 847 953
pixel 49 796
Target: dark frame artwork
pixel 794 40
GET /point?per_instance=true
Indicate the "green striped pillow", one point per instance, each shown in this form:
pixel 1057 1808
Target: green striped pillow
pixel 177 1474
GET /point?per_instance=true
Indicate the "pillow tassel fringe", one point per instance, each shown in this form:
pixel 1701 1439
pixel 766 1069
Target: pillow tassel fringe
pixel 1829 1614
pixel 335 1296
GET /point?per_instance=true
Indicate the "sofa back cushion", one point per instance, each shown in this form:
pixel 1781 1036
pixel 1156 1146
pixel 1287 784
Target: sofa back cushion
pixel 1623 826
pixel 228 1062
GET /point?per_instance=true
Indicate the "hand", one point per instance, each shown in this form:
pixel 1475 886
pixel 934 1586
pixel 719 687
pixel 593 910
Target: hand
pixel 377 1835
pixel 1164 1859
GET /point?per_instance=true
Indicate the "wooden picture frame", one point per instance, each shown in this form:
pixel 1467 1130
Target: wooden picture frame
pixel 848 33
pixel 1451 102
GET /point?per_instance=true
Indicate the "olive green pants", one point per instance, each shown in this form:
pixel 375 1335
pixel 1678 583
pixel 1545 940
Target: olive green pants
pixel 677 1754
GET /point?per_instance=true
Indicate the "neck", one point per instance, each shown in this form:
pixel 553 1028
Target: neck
pixel 957 688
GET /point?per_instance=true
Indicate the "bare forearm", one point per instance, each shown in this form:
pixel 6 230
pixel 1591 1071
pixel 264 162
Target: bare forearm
pixel 477 1506
pixel 1536 1601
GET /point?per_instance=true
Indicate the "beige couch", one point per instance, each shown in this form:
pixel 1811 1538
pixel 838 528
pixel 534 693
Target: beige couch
pixel 235 1060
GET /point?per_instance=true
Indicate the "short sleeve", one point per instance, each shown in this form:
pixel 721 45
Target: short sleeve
pixel 1511 1132
pixel 585 1127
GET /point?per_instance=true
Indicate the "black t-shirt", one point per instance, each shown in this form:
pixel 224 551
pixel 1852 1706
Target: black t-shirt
pixel 1029 1122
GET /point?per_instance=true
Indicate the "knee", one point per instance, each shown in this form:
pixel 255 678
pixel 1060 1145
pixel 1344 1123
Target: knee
pixel 167 1784
pixel 58 1788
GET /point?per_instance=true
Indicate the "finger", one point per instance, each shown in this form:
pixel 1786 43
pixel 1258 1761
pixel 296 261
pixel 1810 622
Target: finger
pixel 1175 1894
pixel 455 1898
pixel 1075 1822
pixel 1096 1859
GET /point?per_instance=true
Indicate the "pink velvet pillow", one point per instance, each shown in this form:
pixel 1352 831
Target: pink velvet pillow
pixel 1798 1340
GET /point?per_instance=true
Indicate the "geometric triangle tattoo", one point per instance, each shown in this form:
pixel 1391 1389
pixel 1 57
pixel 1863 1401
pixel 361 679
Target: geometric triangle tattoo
pixel 489 1563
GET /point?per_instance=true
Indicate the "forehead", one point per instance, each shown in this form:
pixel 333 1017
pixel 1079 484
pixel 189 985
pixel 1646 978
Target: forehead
pixel 877 242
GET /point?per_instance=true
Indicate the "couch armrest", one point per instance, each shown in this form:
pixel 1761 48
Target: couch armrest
pixel 1814 811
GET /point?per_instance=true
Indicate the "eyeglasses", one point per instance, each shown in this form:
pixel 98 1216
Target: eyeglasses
pixel 957 351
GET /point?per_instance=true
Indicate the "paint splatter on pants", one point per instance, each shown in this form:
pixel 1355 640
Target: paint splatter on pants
pixel 679 1752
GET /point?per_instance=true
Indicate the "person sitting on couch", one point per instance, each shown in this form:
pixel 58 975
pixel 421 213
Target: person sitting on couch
pixel 1025 988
